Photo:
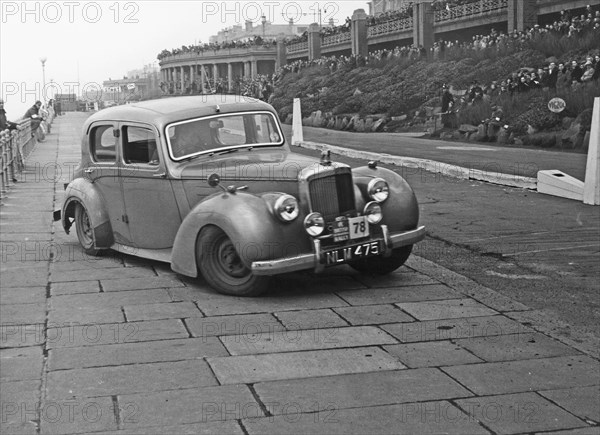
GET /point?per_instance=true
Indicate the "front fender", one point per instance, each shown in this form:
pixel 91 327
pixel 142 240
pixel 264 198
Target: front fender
pixel 82 191
pixel 247 220
pixel 400 210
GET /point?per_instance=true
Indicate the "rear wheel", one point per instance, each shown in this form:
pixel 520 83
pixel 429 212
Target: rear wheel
pixel 383 265
pixel 222 267
pixel 85 231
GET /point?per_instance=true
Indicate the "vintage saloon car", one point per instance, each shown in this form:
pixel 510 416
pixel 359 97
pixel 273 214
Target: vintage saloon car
pixel 208 184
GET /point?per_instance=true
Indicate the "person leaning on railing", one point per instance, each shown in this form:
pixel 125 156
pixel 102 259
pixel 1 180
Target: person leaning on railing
pixel 5 124
pixel 33 113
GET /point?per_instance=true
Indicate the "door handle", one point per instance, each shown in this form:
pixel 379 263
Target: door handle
pixel 89 170
pixel 160 175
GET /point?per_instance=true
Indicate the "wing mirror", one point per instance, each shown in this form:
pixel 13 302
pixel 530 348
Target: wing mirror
pixel 214 180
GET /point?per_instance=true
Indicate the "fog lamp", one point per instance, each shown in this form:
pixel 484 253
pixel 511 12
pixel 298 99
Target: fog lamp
pixel 314 224
pixel 373 212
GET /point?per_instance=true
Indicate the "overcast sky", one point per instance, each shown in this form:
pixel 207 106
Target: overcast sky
pixel 86 42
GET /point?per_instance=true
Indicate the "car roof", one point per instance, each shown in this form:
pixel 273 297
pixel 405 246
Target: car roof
pixel 166 110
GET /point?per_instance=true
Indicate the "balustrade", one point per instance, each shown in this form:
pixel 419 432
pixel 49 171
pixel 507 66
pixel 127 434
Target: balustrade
pixel 468 9
pixel 390 27
pixel 337 38
pixel 15 146
pixel 297 46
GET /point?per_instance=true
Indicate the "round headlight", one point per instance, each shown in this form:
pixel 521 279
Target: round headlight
pixel 373 212
pixel 286 208
pixel 314 224
pixel 378 189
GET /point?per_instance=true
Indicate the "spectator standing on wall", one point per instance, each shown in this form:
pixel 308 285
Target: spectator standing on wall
pixel 4 122
pixel 552 76
pixel 447 106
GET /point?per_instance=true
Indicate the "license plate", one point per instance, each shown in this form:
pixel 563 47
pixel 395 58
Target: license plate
pixel 350 228
pixel 351 253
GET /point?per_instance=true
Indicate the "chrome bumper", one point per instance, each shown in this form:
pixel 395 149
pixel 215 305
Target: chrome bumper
pixel 312 260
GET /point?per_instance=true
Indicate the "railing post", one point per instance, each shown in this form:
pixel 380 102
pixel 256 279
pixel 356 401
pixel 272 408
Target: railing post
pixel 281 59
pixel 360 45
pixel 314 41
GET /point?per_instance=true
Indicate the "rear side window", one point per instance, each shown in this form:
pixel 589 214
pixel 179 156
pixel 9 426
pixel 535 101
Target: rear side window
pixel 103 144
pixel 139 146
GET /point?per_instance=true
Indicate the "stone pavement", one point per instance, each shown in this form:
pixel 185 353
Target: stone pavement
pixel 123 345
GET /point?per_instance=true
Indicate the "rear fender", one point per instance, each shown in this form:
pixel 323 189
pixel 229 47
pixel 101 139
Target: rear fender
pixel 248 221
pixel 82 191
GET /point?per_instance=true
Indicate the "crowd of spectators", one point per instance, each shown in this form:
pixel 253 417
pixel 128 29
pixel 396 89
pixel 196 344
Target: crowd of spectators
pixel 255 41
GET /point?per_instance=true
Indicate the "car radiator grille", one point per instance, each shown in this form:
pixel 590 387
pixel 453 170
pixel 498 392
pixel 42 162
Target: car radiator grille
pixel 332 196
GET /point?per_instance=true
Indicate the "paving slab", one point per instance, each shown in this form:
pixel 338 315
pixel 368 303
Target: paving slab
pixel 24 277
pixel 134 353
pixel 409 418
pixel 357 390
pixel 20 406
pixel 305 339
pixel 25 313
pixel 146 282
pixel 19 364
pixel 69 288
pixel 310 319
pixel 21 335
pixel 431 354
pixel 74 335
pixel 108 300
pixel 451 329
pixel 446 309
pixel 584 402
pixel 401 278
pixel 77 416
pixel 66 314
pixel 22 295
pixel 517 346
pixel 233 325
pixel 527 375
pixel 307 282
pixel 104 274
pixel 194 405
pixel 373 315
pixel 378 296
pixel 518 413
pixel 267 367
pixel 227 427
pixel 173 310
pixel 127 379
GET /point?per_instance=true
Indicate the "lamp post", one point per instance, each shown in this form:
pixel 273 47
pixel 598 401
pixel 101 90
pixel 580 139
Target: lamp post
pixel 263 20
pixel 43 60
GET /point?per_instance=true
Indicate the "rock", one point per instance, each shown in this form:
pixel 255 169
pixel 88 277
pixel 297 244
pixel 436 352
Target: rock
pixel 318 118
pixel 306 121
pixel 446 135
pixel 331 123
pixel 357 92
pixel 472 136
pixel 344 124
pixel 518 142
pixel 289 118
pixel 378 125
pixel 566 122
pixel 368 124
pixel 399 118
pixel 531 130
pixel 458 135
pixel 570 136
pixel 338 123
pixel 467 128
pixel 359 125
pixel 479 135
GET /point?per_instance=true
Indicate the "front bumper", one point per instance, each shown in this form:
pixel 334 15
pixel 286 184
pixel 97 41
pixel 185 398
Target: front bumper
pixel 312 260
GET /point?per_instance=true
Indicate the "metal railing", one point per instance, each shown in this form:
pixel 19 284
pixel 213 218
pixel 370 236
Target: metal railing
pixel 468 9
pixel 15 146
pixel 398 25
pixel 337 38
pixel 297 46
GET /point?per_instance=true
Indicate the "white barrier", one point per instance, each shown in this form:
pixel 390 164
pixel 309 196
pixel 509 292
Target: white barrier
pixel 591 189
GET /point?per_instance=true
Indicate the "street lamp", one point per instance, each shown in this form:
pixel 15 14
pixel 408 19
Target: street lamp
pixel 43 60
pixel 263 20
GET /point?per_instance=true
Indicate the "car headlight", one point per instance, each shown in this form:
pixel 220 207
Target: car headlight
pixel 373 212
pixel 378 189
pixel 286 208
pixel 314 224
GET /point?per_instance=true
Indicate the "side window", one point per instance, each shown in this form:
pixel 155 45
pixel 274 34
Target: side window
pixel 103 144
pixel 139 146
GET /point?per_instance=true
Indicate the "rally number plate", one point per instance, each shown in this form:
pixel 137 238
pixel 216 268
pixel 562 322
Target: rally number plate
pixel 350 228
pixel 332 257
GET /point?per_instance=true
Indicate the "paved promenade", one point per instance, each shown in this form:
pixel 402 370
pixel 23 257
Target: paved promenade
pixel 125 346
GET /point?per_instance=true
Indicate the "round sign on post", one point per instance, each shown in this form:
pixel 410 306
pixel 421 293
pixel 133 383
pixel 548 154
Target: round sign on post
pixel 557 105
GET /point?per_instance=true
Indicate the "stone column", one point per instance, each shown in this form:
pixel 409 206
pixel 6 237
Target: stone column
pixel 215 74
pixel 521 14
pixel 203 78
pixel 229 76
pixel 192 74
pixel 281 52
pixel 423 15
pixel 360 46
pixel 314 41
pixel 254 69
pixel 182 79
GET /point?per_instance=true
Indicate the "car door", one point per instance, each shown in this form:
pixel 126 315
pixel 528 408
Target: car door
pixel 104 172
pixel 151 209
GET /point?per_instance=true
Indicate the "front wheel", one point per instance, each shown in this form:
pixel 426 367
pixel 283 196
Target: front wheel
pixel 85 232
pixel 383 265
pixel 222 267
